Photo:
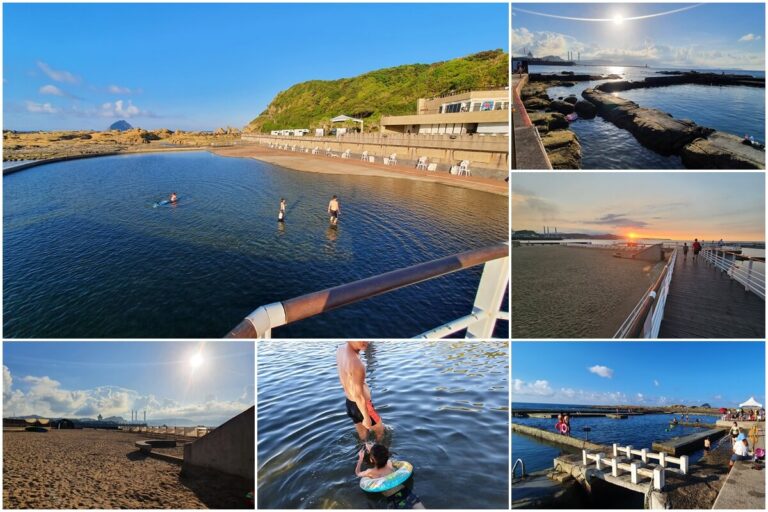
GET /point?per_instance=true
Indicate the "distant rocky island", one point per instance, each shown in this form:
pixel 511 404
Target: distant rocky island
pixel 121 126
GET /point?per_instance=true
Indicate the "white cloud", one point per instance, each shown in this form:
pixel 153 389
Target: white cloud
pixel 116 89
pixel 640 398
pixel 602 371
pixel 122 109
pixel 41 108
pixel 46 397
pixel 655 383
pixel 51 89
pixel 537 388
pixel 749 37
pixel 58 75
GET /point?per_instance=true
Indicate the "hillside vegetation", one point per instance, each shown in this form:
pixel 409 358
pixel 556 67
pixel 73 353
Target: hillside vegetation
pixel 389 91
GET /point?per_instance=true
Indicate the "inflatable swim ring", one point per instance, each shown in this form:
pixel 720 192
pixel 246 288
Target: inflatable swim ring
pixel 563 428
pixel 402 473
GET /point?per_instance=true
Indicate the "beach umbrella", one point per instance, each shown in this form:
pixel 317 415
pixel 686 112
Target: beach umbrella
pixel 723 410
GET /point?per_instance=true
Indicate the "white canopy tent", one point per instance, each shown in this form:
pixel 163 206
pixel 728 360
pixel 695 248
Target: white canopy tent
pixel 752 404
pixel 342 118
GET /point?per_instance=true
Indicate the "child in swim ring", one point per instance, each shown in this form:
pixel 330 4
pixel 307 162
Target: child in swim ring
pixel 399 496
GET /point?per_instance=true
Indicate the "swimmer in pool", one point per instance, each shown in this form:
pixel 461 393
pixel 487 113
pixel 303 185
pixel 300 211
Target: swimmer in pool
pixel 333 210
pixel 352 376
pixel 173 198
pixel 399 496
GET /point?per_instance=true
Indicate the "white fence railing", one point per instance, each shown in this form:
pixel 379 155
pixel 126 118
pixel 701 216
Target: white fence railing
pixel 741 269
pixel 620 464
pixel 644 321
pixel 176 431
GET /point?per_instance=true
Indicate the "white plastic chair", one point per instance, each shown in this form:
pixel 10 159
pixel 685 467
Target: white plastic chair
pixel 316 150
pixel 328 151
pixel 346 154
pixel 393 159
pixel 422 163
pixel 364 156
pixel 386 160
pixel 464 168
pixel 432 167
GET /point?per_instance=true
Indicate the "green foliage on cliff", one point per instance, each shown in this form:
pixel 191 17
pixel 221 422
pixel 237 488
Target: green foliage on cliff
pixel 389 91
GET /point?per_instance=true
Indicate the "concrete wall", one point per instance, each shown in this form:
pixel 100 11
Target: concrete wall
pixel 484 152
pixel 554 437
pixel 229 449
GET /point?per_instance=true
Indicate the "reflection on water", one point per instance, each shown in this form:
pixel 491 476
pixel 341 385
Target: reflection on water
pixel 87 255
pixel 444 404
pixel 638 431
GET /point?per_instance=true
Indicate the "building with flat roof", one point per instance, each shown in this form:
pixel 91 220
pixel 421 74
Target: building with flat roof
pixel 483 112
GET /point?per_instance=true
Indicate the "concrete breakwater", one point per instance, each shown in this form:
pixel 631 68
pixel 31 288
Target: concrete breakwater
pixel 699 147
pixel 556 438
pixel 682 79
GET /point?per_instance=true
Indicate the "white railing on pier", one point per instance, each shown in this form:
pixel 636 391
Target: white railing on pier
pixel 619 464
pixel 645 319
pixel 176 431
pixel 479 323
pixel 741 269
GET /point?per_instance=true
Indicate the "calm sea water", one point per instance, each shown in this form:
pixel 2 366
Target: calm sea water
pixel 86 254
pixel 732 109
pixel 445 406
pixel 638 431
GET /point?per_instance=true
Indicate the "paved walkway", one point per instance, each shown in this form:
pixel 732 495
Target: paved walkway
pixel 744 488
pixel 706 303
pixel 528 149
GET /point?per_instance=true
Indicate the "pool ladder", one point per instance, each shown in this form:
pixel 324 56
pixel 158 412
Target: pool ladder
pixel 522 468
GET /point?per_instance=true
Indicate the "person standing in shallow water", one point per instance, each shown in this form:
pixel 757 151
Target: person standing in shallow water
pixel 333 210
pixel 352 376
pixel 281 214
pixel 696 249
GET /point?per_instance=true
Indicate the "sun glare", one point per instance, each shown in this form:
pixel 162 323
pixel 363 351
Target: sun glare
pixel 632 236
pixel 618 19
pixel 196 361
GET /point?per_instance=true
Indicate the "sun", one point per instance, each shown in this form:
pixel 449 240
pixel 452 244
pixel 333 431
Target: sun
pixel 618 19
pixel 196 361
pixel 632 236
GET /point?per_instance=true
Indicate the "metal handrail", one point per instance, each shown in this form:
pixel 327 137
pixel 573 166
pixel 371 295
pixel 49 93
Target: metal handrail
pixel 752 279
pixel 522 468
pixel 480 323
pixel 650 306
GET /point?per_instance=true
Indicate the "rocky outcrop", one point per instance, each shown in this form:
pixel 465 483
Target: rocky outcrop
pixel 566 77
pixel 683 78
pixel 563 149
pixel 585 109
pixel 653 128
pixel 561 106
pixel 572 99
pixel 722 151
pixel 536 103
pixel 546 121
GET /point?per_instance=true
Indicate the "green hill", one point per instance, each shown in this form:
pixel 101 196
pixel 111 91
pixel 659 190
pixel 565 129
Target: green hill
pixel 389 91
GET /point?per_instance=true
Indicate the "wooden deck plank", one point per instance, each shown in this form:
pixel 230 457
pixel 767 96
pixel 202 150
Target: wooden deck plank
pixel 706 303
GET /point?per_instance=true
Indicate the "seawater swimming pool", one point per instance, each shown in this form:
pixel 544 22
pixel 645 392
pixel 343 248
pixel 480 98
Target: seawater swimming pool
pixel 445 405
pixel 86 255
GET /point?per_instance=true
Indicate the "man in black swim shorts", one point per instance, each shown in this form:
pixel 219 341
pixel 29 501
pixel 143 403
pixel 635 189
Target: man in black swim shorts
pixel 358 404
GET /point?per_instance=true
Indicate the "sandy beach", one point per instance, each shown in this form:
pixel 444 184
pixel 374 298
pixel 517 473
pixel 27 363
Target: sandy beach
pixel 328 165
pixel 67 469
pixel 574 292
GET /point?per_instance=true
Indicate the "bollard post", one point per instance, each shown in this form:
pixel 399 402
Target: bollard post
pixel 658 478
pixel 662 459
pixel 684 464
pixel 644 455
pixel 633 472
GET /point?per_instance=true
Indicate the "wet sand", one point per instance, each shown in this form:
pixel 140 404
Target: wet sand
pixel 68 469
pixel 327 165
pixel 574 292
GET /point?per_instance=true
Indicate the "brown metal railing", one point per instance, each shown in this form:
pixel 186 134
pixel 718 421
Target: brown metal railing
pixel 315 303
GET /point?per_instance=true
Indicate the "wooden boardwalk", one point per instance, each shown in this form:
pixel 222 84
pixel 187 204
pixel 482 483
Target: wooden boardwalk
pixel 705 303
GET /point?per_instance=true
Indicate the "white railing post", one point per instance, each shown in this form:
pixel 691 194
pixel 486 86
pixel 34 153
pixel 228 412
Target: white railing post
pixel 658 478
pixel 684 464
pixel 490 293
pixel 598 460
pixel 749 275
pixel 644 455
pixel 584 457
pixel 633 472
pixel 662 459
pixel 615 449
pixel 614 467
pixel 629 451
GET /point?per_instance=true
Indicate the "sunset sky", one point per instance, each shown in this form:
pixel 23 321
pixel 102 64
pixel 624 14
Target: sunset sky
pixel 679 206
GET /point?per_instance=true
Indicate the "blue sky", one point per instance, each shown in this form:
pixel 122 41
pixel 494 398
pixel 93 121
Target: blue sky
pixel 63 379
pixel 717 35
pixel 201 66
pixel 639 373
pixel 675 205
